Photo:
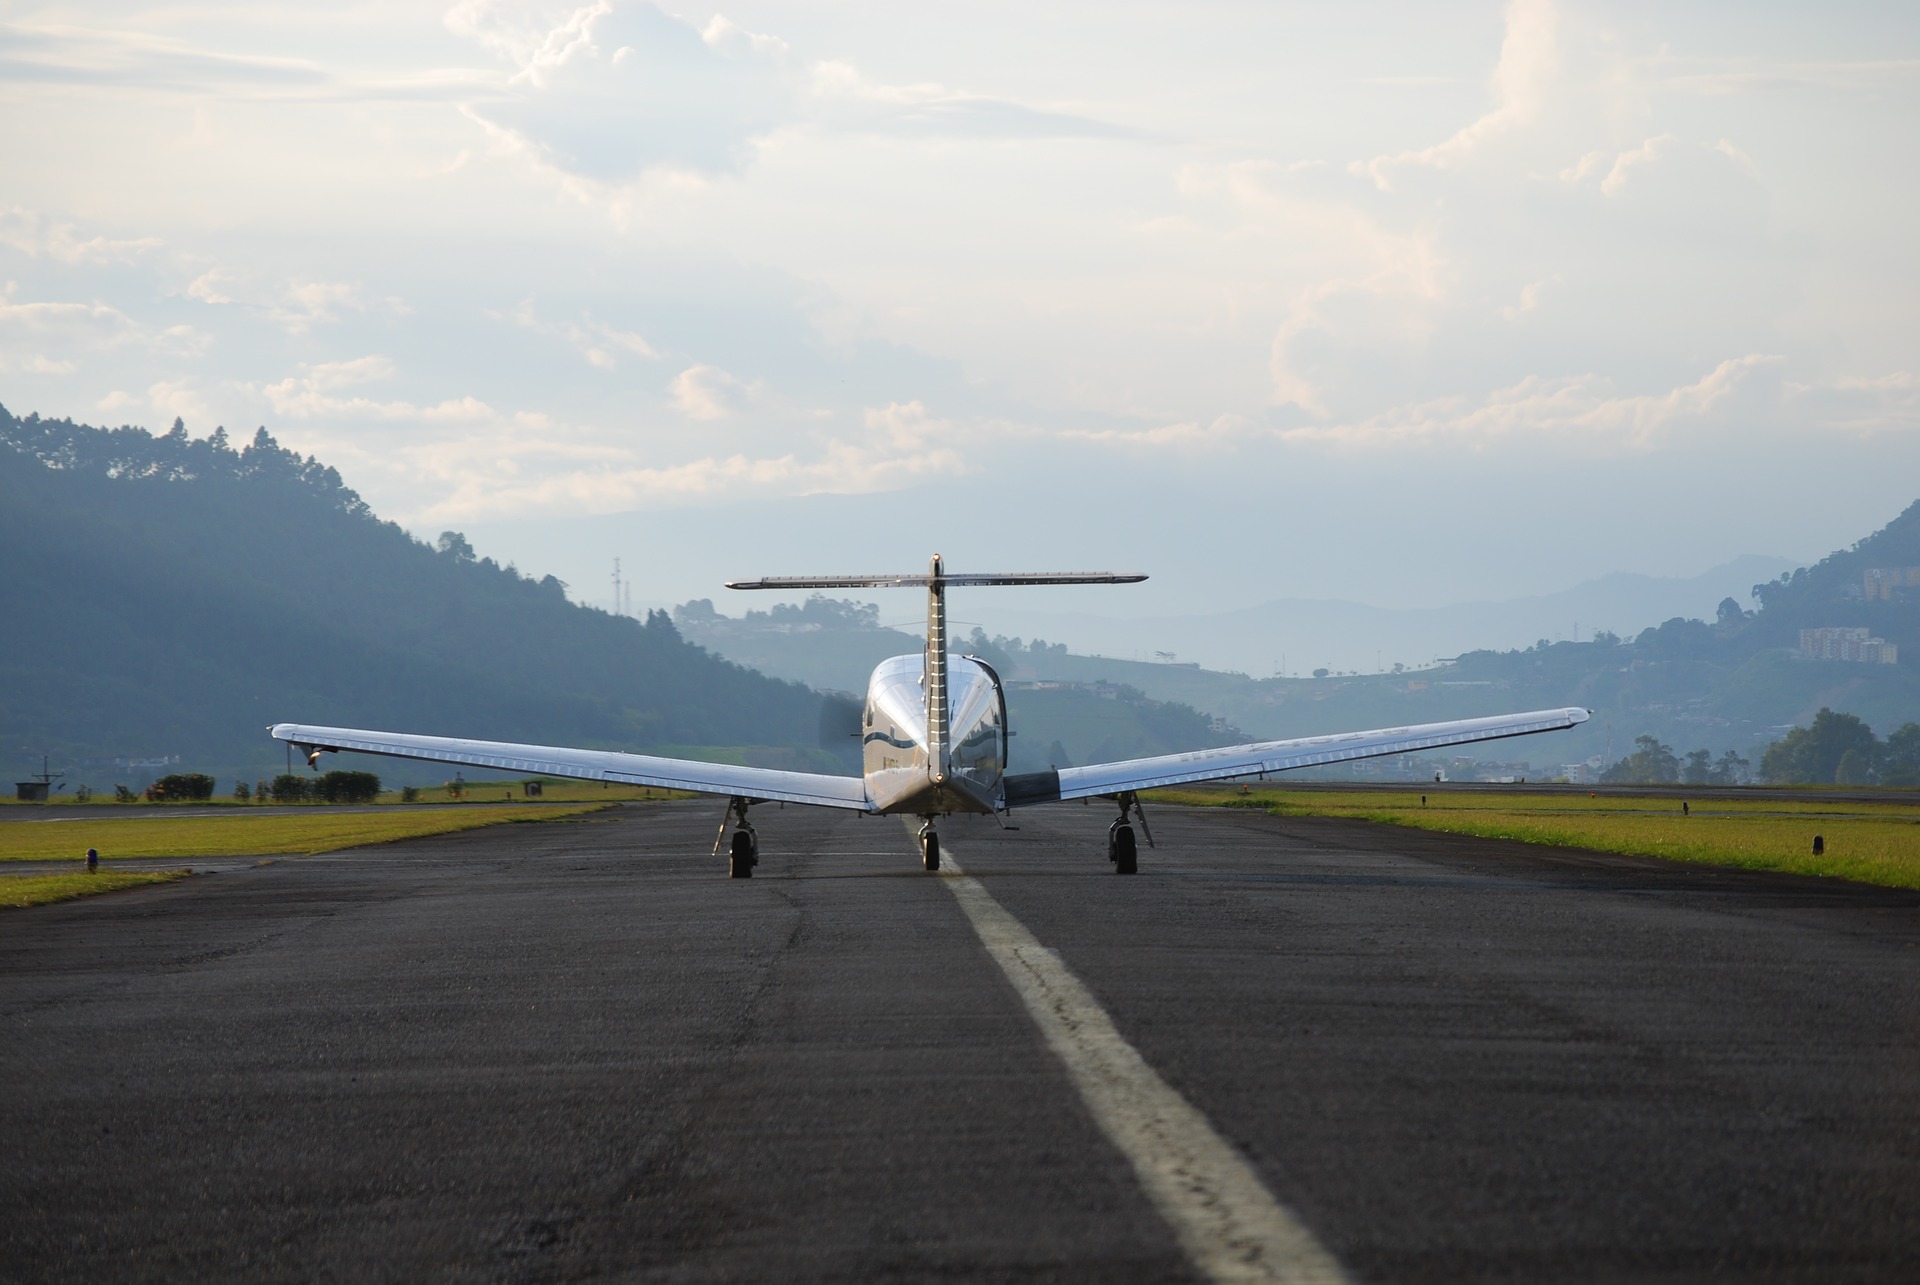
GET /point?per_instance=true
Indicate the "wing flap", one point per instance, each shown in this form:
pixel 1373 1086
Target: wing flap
pixel 769 784
pixel 1310 751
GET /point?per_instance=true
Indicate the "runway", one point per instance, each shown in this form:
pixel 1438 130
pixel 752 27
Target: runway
pixel 576 1049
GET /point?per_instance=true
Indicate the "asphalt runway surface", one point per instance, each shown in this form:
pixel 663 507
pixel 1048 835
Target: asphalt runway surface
pixel 572 1050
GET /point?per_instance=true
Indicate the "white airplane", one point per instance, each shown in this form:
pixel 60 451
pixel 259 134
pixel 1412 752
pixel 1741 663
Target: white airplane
pixel 934 736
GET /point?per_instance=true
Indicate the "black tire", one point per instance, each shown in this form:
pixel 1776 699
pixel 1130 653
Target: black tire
pixel 930 852
pixel 740 858
pixel 1126 855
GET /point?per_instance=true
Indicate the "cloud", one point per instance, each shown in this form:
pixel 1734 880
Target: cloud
pixel 708 393
pixel 1582 411
pixel 1529 298
pixel 29 331
pixel 296 305
pixel 1724 77
pixel 1623 164
pixel 101 60
pixel 601 344
pixel 612 90
pixel 729 37
pixel 1523 80
pixel 36 237
pixel 901 444
pixel 313 395
pixel 851 101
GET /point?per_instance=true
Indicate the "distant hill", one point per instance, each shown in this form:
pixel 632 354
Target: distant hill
pixel 1734 683
pixel 1310 633
pixel 834 645
pixel 170 597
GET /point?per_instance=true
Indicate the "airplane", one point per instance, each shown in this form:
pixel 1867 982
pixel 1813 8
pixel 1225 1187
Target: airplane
pixel 934 742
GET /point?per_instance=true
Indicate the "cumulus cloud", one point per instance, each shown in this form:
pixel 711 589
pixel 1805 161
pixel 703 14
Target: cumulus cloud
pixel 610 91
pixel 709 393
pixel 729 37
pixel 1523 81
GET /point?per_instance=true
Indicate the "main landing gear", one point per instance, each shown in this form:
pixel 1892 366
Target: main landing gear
pixel 743 853
pixel 929 846
pixel 1122 850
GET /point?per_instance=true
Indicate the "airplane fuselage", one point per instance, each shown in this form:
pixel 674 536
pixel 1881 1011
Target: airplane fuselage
pixel 908 768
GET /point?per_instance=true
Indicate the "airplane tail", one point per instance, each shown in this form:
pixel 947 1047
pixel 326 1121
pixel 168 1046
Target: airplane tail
pixel 936 582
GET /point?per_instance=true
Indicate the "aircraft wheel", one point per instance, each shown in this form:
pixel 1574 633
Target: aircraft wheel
pixel 740 858
pixel 930 851
pixel 1126 856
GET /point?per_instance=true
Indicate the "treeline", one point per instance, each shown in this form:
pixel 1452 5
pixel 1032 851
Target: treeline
pixel 168 595
pixel 1838 749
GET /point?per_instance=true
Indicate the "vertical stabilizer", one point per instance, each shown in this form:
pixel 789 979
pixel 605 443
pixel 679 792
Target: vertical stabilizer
pixel 939 756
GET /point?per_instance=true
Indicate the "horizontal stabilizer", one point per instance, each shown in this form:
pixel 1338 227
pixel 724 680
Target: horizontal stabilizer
pixel 920 580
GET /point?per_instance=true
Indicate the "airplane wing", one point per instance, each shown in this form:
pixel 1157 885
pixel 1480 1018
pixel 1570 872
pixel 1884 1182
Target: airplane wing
pixel 1277 756
pixel 761 783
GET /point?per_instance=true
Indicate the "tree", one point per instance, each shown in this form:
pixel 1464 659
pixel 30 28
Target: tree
pixel 1699 768
pixel 1812 755
pixel 1900 757
pixel 454 545
pixel 1730 770
pixel 182 785
pixel 1854 768
pixel 347 787
pixel 1729 613
pixel 1651 764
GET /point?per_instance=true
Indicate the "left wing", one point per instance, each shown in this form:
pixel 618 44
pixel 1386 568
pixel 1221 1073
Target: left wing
pixel 1277 756
pixel 761 783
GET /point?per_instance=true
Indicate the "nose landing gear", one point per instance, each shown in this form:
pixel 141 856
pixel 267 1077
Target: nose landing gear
pixel 929 846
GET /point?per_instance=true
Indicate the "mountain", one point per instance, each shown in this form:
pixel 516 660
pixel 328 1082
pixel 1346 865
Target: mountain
pixel 168 598
pixel 1734 684
pixel 1301 634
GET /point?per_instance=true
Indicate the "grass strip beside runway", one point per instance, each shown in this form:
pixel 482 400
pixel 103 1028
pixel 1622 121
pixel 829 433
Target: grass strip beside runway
pixel 243 835
pixel 1876 843
pixel 41 890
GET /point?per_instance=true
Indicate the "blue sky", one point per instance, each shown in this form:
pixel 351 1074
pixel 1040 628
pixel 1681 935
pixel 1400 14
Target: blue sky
pixel 1406 304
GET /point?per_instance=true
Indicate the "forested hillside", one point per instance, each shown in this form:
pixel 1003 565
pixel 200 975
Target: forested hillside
pixel 164 596
pixel 1734 684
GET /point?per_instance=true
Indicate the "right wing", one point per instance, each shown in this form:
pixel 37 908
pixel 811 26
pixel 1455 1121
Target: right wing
pixel 761 783
pixel 1277 756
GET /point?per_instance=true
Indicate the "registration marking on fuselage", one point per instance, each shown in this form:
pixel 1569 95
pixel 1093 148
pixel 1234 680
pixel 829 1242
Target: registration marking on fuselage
pixel 1226 1220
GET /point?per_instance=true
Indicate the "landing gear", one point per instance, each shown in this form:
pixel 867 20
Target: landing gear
pixel 743 854
pixel 1122 851
pixel 929 847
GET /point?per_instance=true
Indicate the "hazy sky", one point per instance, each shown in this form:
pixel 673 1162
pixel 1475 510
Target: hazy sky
pixel 1402 303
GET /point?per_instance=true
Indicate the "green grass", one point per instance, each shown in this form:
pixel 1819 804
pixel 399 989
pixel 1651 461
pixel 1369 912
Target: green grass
pixel 238 834
pixel 1875 843
pixel 41 890
pixel 552 790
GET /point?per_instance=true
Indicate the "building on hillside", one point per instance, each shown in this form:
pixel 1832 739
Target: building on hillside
pixel 1882 584
pixel 1835 642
